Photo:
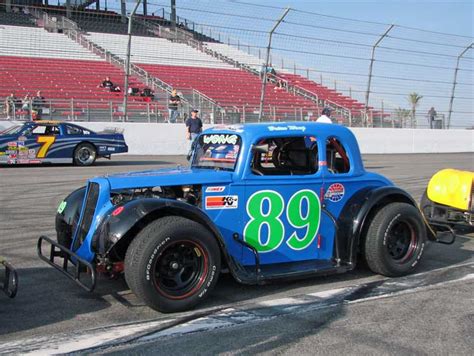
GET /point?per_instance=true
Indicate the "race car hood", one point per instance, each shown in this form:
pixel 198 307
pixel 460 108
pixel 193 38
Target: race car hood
pixel 168 177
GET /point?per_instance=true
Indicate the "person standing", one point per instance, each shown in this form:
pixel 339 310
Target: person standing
pixel 173 102
pixel 38 104
pixel 432 116
pixel 325 116
pixel 10 103
pixel 193 126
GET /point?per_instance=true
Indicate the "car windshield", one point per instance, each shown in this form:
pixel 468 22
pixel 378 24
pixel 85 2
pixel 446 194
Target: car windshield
pixel 12 130
pixel 216 151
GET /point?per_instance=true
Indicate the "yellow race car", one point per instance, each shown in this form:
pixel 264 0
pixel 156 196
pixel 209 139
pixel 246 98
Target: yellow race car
pixel 448 202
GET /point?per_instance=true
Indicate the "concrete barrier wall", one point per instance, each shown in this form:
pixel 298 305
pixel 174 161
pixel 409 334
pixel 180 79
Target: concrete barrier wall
pixel 169 139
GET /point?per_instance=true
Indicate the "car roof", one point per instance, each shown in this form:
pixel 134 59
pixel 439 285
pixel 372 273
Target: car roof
pixel 251 133
pixel 282 129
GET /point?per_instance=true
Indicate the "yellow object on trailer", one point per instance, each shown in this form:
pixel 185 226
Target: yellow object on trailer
pixel 452 187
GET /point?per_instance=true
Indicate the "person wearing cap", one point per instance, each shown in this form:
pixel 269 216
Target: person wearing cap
pixel 193 126
pixel 325 116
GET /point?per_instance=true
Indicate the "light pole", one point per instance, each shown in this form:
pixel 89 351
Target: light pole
pixel 454 82
pixel 127 62
pixel 367 93
pixel 264 76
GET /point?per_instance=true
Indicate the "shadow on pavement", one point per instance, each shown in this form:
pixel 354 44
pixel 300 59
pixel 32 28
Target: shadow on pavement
pixel 45 297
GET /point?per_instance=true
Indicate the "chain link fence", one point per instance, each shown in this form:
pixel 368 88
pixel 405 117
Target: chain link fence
pixel 370 74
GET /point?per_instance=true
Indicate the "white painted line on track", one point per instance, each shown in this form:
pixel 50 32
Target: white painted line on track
pixel 283 306
pixel 139 332
pixel 76 342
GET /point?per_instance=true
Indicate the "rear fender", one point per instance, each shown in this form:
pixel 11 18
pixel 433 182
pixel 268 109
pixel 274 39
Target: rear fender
pixel 357 214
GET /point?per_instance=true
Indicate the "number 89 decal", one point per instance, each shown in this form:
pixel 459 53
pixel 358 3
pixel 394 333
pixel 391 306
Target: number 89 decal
pixel 306 225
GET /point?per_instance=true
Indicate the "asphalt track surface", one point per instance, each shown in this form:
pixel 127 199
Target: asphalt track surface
pixel 357 312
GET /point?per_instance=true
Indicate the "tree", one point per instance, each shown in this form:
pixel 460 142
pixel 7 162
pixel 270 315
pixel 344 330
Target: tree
pixel 414 100
pixel 402 116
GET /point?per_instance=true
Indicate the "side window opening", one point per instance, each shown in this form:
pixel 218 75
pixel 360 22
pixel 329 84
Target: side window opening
pixel 38 130
pixel 285 156
pixel 44 130
pixel 73 130
pixel 336 157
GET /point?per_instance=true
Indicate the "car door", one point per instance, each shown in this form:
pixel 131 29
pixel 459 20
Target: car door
pixel 40 140
pixel 283 217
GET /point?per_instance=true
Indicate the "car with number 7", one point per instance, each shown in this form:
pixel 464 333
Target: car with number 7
pixel 265 202
pixel 39 142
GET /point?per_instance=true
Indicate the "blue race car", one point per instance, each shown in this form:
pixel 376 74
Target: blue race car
pixel 57 142
pixel 265 202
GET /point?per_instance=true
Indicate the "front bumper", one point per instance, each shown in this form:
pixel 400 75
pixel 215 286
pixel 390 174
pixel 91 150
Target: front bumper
pixel 71 265
pixel 9 285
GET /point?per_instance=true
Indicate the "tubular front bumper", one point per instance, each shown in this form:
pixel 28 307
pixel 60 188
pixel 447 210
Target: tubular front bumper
pixel 77 267
pixel 9 285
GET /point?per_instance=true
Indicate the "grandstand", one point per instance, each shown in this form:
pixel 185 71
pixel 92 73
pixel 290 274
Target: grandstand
pixel 67 69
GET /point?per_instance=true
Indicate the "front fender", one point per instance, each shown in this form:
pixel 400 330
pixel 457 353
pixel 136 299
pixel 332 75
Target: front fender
pixel 67 216
pixel 357 214
pixel 118 230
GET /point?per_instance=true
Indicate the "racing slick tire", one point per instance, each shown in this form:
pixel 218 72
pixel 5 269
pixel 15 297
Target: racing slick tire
pixel 395 240
pixel 85 154
pixel 172 264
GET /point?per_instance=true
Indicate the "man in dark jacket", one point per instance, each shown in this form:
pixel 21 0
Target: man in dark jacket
pixel 193 126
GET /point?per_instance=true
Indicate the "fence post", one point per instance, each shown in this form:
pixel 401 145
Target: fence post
pixel 454 83
pixel 127 62
pixel 367 93
pixel 264 76
pixel 72 109
pixel 382 119
pixel 50 110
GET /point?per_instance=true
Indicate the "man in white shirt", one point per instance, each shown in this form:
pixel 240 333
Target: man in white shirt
pixel 325 116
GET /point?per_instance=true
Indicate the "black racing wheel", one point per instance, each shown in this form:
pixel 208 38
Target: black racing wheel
pixel 395 240
pixel 172 264
pixel 85 154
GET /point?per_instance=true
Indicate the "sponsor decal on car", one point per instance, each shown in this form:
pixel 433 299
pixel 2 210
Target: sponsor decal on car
pixel 220 139
pixel 216 189
pixel 335 192
pixel 287 128
pixel 222 202
pixel 61 207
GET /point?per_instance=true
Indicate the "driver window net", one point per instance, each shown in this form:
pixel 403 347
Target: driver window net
pixel 336 157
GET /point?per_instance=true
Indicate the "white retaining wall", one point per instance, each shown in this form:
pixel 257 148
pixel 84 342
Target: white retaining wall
pixel 169 139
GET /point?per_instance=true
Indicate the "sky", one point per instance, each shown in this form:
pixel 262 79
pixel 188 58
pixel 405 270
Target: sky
pixel 444 16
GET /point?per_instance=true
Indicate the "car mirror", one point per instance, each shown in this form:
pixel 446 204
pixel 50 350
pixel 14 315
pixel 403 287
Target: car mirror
pixel 265 148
